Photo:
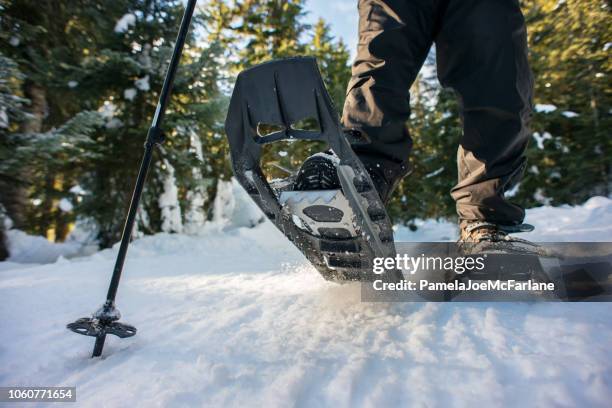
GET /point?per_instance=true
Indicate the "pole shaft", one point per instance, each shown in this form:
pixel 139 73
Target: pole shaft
pixel 164 96
pixel 97 351
pixel 129 223
pixel 160 111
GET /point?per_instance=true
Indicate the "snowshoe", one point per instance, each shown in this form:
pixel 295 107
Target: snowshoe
pixel 507 257
pixel 339 223
pixel 479 237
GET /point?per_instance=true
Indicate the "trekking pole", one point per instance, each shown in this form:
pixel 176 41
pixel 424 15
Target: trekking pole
pixel 105 320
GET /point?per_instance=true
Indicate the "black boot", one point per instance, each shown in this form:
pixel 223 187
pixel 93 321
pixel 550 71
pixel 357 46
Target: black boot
pixel 318 172
pixel 386 174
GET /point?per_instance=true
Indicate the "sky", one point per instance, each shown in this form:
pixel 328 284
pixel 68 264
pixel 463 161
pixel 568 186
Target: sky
pixel 341 15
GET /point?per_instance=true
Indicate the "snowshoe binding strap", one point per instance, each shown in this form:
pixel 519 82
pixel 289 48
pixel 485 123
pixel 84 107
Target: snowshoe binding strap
pixel 278 95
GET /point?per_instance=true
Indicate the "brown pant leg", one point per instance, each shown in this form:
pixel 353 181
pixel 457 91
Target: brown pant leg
pixel 482 55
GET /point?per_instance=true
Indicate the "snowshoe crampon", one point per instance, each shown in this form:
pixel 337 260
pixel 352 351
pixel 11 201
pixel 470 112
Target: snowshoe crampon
pixel 339 231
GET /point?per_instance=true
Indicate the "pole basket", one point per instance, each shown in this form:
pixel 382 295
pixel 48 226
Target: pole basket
pixel 104 321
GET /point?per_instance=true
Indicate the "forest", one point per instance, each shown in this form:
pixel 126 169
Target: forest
pixel 79 81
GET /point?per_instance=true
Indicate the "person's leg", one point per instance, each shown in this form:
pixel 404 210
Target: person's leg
pixel 394 39
pixel 482 54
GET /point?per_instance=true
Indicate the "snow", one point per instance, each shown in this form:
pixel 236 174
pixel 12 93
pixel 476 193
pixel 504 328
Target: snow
pixel 142 83
pixel 4 119
pixel 77 189
pixel 570 114
pixel 434 173
pixel 513 191
pixel 545 108
pixel 233 207
pixel 169 203
pixel 197 196
pixel 108 110
pixel 236 317
pixel 24 248
pixel 590 222
pixel 130 94
pixel 125 22
pixel 540 197
pixel 113 123
pixel 540 138
pixel 65 205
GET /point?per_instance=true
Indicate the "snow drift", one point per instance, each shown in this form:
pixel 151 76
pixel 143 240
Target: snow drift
pixel 236 317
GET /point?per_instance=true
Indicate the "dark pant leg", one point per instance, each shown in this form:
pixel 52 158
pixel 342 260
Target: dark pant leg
pixel 482 54
pixel 394 38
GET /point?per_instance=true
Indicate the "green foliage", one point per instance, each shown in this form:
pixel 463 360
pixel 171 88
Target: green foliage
pixel 97 84
pixel 130 72
pixel 79 82
pixel 11 113
pixel 333 58
pixel 261 30
pixel 90 82
pixel 570 56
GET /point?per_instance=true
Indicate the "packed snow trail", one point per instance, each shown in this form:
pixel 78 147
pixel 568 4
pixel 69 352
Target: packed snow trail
pixel 236 317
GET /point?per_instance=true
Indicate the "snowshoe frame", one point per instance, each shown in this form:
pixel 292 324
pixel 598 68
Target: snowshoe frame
pixel 282 93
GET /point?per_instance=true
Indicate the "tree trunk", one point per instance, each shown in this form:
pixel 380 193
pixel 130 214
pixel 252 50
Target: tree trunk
pixel 3 244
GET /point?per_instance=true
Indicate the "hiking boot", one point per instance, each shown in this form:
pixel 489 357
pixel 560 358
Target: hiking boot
pixel 486 237
pixel 319 172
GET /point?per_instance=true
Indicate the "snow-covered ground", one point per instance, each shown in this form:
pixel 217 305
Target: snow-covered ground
pixel 236 317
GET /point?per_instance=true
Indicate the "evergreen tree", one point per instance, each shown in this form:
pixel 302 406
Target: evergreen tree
pixel 11 113
pixel 92 72
pixel 570 158
pixel 333 59
pixel 46 39
pixel 130 70
pixel 262 30
pixel 197 196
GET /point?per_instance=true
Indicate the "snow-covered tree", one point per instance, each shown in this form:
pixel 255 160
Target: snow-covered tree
pixel 171 220
pixel 197 196
pixel 12 111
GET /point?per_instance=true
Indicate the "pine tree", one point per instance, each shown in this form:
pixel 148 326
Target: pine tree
pixel 197 195
pixel 47 40
pixel 101 66
pixel 131 70
pixel 571 157
pixel 333 59
pixel 171 219
pixel 262 30
pixel 11 113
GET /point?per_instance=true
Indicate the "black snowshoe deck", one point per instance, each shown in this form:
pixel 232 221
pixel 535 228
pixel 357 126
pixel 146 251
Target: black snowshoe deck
pixel 339 231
